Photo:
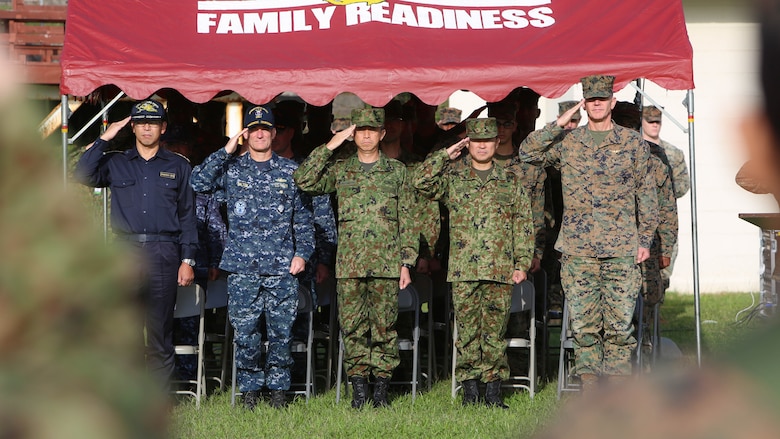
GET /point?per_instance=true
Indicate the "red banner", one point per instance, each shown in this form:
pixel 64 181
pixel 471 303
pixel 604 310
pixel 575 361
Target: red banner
pixel 373 48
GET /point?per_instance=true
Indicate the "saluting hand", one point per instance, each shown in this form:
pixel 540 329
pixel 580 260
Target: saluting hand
pixel 565 118
pixel 455 150
pixel 232 144
pixel 340 137
pixel 113 129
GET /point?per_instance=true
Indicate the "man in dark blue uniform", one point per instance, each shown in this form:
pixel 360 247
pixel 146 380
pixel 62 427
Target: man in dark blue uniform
pixel 153 210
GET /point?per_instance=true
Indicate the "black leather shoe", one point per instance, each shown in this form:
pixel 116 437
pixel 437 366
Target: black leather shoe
pixel 278 399
pixel 470 392
pixel 493 395
pixel 251 399
pixel 380 392
pixel 359 392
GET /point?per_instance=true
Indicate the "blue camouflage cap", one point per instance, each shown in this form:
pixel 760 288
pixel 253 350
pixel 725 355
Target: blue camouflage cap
pixel 148 110
pixel 259 116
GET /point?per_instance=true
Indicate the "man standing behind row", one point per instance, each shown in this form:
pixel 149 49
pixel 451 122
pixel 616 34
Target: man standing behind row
pixel 377 245
pixel 491 246
pixel 610 215
pixel 152 209
pixel 270 238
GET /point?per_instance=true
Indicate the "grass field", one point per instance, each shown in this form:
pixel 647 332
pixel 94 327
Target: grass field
pixel 434 414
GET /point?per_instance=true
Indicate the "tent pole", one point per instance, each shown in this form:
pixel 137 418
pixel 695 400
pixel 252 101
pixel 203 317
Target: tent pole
pixel 694 226
pixel 65 115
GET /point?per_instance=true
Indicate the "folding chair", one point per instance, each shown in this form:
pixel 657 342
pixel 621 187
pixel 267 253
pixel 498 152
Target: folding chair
pixel 566 381
pixel 305 311
pixel 327 337
pixel 216 369
pixel 190 301
pixel 410 300
pixel 524 300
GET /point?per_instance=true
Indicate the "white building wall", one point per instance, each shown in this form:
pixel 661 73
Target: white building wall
pixel 725 74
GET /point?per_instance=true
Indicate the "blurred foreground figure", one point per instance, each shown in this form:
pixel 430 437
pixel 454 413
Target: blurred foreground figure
pixel 736 395
pixel 70 362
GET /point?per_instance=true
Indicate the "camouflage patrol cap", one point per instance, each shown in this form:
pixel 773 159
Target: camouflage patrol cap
pixel 368 117
pixel 597 86
pixel 652 114
pixel 504 110
pixel 482 128
pixel 449 115
pixel 565 106
pixel 340 124
pixel 148 110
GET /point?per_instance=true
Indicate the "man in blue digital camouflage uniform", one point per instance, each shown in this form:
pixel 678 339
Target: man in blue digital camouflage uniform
pixel 270 238
pixel 152 210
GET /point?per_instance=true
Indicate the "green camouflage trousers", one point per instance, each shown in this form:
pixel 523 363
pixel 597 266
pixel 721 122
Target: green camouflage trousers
pixel 601 295
pixel 368 308
pixel 481 310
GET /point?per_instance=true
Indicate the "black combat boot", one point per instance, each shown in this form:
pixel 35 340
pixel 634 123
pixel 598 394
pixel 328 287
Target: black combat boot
pixel 278 399
pixel 251 398
pixel 470 392
pixel 380 392
pixel 493 395
pixel 359 392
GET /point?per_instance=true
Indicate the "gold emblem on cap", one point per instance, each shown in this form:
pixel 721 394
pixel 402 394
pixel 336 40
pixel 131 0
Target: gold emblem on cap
pixel 147 106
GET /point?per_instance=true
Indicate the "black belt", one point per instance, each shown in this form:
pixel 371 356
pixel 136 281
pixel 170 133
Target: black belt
pixel 148 237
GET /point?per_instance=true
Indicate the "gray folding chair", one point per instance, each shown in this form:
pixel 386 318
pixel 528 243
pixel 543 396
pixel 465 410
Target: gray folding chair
pixel 524 300
pixel 566 382
pixel 216 369
pixel 190 301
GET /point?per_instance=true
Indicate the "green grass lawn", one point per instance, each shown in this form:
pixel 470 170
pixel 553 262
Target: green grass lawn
pixel 434 414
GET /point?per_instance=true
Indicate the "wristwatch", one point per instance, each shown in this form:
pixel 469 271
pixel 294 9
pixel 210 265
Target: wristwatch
pixel 190 262
pixel 409 266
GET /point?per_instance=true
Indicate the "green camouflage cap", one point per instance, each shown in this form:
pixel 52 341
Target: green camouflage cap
pixel 368 117
pixel 482 128
pixel 504 110
pixel 449 115
pixel 565 106
pixel 597 86
pixel 652 114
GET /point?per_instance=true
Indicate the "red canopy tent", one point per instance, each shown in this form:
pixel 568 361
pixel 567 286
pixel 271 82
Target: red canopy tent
pixel 375 49
pixel 317 48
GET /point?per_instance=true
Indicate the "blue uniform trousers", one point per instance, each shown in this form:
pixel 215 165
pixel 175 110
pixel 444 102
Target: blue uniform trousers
pixel 161 263
pixel 251 297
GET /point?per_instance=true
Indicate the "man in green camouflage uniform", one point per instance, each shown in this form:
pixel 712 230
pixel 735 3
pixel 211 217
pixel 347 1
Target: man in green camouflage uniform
pixel 376 247
pixel 610 215
pixel 491 245
pixel 681 181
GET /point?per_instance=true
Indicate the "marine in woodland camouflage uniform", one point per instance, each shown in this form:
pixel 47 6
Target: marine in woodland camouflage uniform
pixel 609 218
pixel 270 238
pixel 627 114
pixel 651 128
pixel 491 246
pixel 377 245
